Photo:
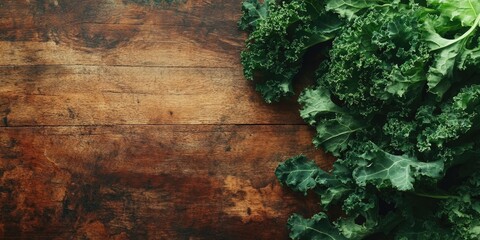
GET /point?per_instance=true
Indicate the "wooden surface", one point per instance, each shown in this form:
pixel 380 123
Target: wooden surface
pixel 132 120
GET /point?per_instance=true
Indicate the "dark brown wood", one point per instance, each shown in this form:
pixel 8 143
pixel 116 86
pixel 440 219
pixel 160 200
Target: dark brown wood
pixel 158 182
pixel 132 120
pixel 117 32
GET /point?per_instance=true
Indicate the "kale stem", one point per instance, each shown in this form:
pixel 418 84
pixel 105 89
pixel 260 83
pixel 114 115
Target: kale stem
pixel 314 7
pixel 466 34
pixel 434 196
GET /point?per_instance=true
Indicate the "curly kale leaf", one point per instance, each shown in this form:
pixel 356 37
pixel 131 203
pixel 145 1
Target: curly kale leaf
pixel 384 170
pixel 253 13
pixel 397 101
pixel 452 54
pixel 317 102
pixel 352 8
pixel 466 11
pixel 435 131
pixel 402 132
pixel 282 33
pixel 338 189
pixel 335 126
pixel 455 119
pixel 316 228
pixel 379 60
pixel 463 212
pixel 333 134
pixel 299 173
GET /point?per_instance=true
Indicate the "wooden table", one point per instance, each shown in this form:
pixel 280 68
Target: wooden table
pixel 132 120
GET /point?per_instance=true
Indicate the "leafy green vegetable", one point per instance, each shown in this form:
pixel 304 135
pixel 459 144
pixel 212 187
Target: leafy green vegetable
pixel 452 54
pixel 378 61
pixel 299 174
pixel 351 8
pixel 466 11
pixel 316 228
pixel 396 100
pixel 333 134
pixel 281 32
pixel 334 125
pixel 253 13
pixel 383 169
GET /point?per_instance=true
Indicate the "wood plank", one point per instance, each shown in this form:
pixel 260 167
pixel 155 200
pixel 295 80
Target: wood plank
pixel 106 95
pixel 194 33
pixel 147 54
pixel 149 182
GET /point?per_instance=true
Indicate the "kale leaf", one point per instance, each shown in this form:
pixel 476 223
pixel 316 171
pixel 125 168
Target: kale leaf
pixel 281 33
pixel 396 100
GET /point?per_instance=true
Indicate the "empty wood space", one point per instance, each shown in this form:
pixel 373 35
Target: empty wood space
pixel 132 120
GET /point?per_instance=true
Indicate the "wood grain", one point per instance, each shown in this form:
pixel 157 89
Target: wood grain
pixel 103 95
pixel 191 34
pixel 132 120
pixel 156 182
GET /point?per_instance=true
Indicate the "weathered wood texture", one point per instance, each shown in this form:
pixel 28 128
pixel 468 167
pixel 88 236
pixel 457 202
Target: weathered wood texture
pixel 159 182
pixel 131 120
pixel 104 95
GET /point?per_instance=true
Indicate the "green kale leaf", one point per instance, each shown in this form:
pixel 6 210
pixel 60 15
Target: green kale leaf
pixel 379 60
pixel 352 8
pixel 396 100
pixel 466 11
pixel 316 228
pixel 383 169
pixel 299 173
pixel 253 13
pixel 283 31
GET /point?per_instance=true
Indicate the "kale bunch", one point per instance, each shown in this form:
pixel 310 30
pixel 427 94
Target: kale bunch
pixel 280 33
pixel 397 101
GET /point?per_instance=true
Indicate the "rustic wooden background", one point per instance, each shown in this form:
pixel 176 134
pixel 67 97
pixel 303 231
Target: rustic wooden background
pixel 132 120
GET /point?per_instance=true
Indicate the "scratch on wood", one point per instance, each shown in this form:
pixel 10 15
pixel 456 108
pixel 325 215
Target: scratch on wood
pixel 48 159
